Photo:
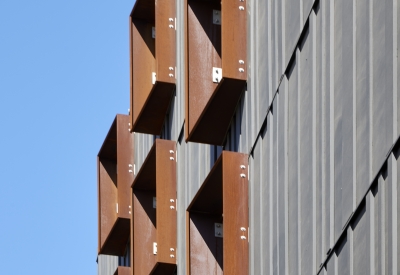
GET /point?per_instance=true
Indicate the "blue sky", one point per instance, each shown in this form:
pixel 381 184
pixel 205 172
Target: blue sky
pixel 64 74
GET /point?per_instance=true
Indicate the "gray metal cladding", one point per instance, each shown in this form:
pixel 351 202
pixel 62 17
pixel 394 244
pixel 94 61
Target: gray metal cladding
pixel 369 244
pixel 327 132
pixel 143 144
pixel 106 265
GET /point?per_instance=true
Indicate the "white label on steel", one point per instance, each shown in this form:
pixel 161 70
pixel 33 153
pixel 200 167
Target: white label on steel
pixel 153 78
pixel 155 248
pixel 216 74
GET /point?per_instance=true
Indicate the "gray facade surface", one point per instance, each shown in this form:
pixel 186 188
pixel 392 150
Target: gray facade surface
pixel 320 121
pixel 106 265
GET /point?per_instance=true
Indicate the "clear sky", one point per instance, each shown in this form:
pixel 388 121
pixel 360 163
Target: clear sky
pixel 64 74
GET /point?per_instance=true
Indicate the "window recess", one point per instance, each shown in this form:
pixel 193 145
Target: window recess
pixel 217 219
pixel 114 178
pixel 216 71
pixel 152 52
pixel 154 213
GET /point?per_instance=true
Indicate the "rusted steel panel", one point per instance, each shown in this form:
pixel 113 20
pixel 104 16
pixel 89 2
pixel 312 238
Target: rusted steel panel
pixel 156 178
pixel 211 105
pixel 234 33
pixel 150 99
pixel 206 250
pixel 204 53
pixel 107 199
pixel 144 232
pixel 113 191
pixel 222 198
pixel 166 201
pixel 125 166
pixel 123 270
pixel 165 40
pixel 236 213
pixel 144 64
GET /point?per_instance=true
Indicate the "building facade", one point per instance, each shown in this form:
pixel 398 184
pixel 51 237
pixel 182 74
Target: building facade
pixel 317 116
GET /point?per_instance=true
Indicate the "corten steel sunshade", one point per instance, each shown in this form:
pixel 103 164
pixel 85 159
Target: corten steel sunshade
pixel 218 218
pixel 152 51
pixel 114 163
pixel 216 67
pixel 154 214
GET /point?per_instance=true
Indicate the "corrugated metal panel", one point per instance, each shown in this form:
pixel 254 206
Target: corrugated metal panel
pixel 336 134
pixel 106 265
pixel 143 144
pixel 370 243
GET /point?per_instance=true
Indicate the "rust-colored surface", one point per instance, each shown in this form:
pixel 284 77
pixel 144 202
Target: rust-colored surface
pixel 210 106
pixel 114 188
pixel 107 199
pixel 206 251
pixel 204 44
pixel 125 165
pixel 166 200
pixel 165 40
pixel 150 102
pixel 236 213
pixel 223 198
pixel 144 232
pixel 156 178
pixel 234 42
pixel 143 64
pixel 123 270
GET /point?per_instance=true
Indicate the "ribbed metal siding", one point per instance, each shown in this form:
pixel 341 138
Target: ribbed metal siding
pixel 327 133
pixel 106 265
pixel 143 144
